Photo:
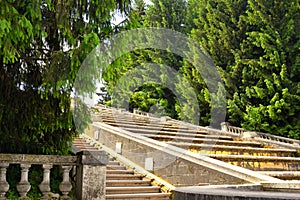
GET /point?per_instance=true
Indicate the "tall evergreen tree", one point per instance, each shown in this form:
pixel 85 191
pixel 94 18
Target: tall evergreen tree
pixel 256 47
pixel 42 45
pixel 268 96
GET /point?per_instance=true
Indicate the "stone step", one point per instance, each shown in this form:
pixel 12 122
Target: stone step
pixel 113 162
pixel 261 163
pixel 125 183
pixel 113 171
pixel 115 167
pixel 154 126
pixel 142 196
pixel 118 121
pixel 167 138
pixel 284 175
pixel 80 145
pixel 254 158
pixel 181 133
pixel 234 150
pixel 132 190
pixel 123 177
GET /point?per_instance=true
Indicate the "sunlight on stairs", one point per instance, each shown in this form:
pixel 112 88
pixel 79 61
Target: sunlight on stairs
pixel 267 159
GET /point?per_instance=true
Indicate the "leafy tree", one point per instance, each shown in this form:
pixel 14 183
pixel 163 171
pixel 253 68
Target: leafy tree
pixel 42 46
pixel 163 14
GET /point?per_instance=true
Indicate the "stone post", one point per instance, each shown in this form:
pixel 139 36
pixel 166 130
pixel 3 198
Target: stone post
pixel 224 126
pixel 24 186
pixel 91 175
pixel 65 186
pixel 45 184
pixel 4 186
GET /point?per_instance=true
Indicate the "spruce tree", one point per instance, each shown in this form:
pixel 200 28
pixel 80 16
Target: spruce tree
pixel 256 47
pixel 268 98
pixel 42 46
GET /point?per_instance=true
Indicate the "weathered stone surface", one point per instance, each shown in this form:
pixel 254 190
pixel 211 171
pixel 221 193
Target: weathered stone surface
pixel 37 159
pixel 174 169
pixel 204 193
pixel 248 135
pixel 93 158
pixel 91 175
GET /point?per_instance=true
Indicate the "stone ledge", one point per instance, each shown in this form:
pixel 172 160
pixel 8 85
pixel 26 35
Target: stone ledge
pixel 231 192
pixel 37 159
pixel 286 186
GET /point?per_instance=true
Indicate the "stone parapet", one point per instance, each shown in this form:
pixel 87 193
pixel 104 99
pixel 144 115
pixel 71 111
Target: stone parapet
pixel 90 174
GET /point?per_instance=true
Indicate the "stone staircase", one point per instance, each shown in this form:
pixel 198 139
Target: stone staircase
pixel 263 157
pixel 123 183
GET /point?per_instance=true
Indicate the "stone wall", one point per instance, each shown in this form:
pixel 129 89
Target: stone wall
pixel 174 169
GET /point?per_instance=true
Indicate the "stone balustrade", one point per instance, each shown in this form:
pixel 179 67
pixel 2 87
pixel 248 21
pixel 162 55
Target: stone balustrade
pixel 232 129
pixel 264 137
pixel 138 112
pixel 79 164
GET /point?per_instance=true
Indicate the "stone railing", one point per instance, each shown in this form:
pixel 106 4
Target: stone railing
pixel 79 165
pixel 139 112
pixel 232 129
pixel 264 137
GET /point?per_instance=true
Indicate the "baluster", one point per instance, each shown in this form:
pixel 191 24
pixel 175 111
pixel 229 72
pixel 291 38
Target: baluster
pixel 24 186
pixel 4 186
pixel 45 184
pixel 66 186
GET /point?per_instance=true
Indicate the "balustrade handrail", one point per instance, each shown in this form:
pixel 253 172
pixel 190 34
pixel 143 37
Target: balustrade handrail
pixel 278 138
pixel 37 159
pixel 139 112
pixel 47 162
pixel 234 129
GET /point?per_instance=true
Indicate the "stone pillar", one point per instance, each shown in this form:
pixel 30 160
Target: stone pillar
pixel 66 186
pixel 224 126
pixel 91 175
pixel 4 186
pixel 45 184
pixel 24 186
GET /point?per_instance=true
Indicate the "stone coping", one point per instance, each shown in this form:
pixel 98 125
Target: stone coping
pixel 37 159
pixel 247 191
pixel 202 160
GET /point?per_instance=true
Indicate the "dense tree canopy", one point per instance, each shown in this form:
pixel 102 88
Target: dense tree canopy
pixel 42 45
pixel 254 44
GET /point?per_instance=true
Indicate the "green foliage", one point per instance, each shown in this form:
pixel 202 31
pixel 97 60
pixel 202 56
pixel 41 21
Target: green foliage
pixel 255 43
pixel 148 96
pixel 42 46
